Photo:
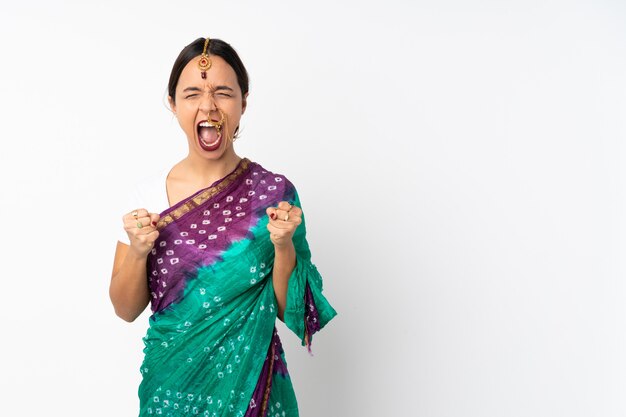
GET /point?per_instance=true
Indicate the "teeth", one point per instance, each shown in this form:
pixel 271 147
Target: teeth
pixel 208 124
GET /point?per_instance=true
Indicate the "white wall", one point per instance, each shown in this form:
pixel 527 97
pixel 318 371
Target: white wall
pixel 461 165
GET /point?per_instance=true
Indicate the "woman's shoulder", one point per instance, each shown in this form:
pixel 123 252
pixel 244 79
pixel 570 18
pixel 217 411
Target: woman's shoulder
pixel 150 188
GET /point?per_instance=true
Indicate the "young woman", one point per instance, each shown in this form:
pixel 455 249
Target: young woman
pixel 224 257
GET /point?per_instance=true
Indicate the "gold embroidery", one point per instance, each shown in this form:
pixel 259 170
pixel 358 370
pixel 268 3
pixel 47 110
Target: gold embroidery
pixel 269 381
pixel 197 200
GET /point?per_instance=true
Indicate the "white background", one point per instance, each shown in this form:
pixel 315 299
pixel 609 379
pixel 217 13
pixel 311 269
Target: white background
pixel 461 166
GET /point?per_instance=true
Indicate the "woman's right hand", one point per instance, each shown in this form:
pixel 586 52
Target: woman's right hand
pixel 141 238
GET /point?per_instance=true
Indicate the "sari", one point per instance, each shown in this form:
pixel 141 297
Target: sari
pixel 212 348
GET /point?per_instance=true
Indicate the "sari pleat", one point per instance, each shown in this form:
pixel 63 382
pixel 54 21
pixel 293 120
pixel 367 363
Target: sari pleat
pixel 212 348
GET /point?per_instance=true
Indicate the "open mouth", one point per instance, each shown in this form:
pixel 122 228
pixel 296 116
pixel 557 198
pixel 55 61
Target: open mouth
pixel 210 133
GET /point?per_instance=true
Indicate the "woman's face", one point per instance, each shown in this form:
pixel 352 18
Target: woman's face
pixel 215 98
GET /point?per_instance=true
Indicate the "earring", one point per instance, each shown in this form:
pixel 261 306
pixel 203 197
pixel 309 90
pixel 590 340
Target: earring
pixel 235 135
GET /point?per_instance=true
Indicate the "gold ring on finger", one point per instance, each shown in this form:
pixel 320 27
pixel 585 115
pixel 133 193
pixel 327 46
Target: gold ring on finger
pixel 139 225
pixel 286 216
pixel 135 214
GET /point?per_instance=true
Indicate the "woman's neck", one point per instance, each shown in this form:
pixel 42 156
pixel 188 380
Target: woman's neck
pixel 207 171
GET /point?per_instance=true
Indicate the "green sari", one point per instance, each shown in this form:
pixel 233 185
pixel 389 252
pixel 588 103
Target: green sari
pixel 212 348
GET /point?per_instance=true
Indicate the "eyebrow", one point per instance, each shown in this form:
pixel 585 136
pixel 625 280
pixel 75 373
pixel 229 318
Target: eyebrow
pixel 219 87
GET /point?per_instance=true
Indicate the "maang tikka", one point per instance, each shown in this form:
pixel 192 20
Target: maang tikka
pixel 205 62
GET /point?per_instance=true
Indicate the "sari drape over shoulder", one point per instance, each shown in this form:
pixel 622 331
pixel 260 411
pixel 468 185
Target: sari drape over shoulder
pixel 212 348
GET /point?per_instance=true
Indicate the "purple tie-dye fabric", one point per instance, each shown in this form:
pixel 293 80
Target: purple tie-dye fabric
pixel 207 228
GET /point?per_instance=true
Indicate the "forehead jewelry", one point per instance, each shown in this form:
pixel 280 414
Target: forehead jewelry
pixel 205 62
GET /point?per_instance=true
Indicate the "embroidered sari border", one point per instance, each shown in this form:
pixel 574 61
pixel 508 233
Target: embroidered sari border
pixel 268 385
pixel 202 196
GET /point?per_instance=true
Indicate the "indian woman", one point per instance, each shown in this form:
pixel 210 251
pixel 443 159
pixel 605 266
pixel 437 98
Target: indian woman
pixel 224 258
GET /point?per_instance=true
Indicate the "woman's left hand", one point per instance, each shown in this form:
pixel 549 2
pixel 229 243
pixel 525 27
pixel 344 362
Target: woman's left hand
pixel 281 230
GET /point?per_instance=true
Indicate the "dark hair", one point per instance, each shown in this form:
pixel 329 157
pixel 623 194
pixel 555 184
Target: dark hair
pixel 216 47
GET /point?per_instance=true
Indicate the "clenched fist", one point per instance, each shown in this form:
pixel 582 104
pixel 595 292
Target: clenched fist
pixel 140 225
pixel 284 219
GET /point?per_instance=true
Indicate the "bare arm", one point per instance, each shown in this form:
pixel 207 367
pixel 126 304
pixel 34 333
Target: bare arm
pixel 129 290
pixel 284 263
